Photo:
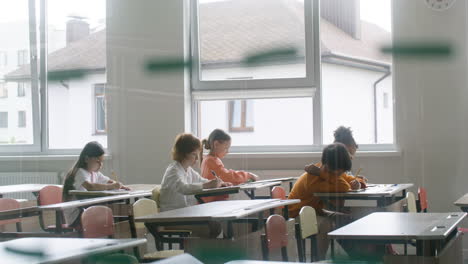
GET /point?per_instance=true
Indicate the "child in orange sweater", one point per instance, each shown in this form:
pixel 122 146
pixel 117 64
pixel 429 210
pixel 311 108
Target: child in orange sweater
pixel 218 143
pixel 331 178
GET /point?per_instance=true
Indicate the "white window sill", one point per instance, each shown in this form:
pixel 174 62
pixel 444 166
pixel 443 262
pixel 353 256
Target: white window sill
pixel 264 155
pixel 43 157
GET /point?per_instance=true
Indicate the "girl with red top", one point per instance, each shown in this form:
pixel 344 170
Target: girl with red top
pixel 218 144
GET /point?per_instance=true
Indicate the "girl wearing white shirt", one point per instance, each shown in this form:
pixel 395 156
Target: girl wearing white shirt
pixel 180 182
pixel 85 175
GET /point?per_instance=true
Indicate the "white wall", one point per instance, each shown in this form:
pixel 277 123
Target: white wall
pixel 147 111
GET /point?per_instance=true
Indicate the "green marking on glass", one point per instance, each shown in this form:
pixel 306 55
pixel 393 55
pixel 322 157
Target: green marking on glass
pixel 163 65
pixel 280 54
pixel 66 75
pixel 418 49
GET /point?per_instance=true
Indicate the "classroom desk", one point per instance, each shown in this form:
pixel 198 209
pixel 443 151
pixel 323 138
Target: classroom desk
pixel 60 207
pixel 431 231
pixel 17 188
pixel 462 202
pixel 58 250
pixel 383 194
pixel 139 188
pixel 201 214
pixel 290 180
pixel 248 188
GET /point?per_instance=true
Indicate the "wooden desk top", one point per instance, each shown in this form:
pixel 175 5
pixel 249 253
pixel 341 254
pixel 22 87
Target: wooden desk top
pixel 5 189
pixel 105 193
pixel 58 250
pixel 462 201
pixel 400 226
pixel 220 191
pixel 285 179
pixel 216 211
pixel 375 190
pixel 18 213
pixel 258 185
pixel 92 201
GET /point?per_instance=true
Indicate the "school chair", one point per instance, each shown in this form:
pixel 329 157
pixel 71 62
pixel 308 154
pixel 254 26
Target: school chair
pixel 97 222
pixel 422 195
pixel 275 237
pixel 411 203
pixel 7 204
pixel 278 192
pixel 307 228
pixel 145 207
pixel 51 195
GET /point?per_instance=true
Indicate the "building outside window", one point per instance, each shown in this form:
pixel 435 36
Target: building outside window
pixel 241 116
pixel 22 57
pixel 21 89
pixel 21 119
pixel 3 119
pixel 100 109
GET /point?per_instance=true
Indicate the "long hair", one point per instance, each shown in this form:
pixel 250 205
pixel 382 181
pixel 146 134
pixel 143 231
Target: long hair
pixel 91 150
pixel 215 135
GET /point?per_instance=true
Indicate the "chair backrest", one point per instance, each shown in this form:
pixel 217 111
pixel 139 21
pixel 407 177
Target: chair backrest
pixel 7 204
pixel 278 192
pixel 308 222
pixel 411 202
pixel 97 222
pixel 50 195
pixel 144 207
pixel 155 195
pixel 276 232
pixel 422 193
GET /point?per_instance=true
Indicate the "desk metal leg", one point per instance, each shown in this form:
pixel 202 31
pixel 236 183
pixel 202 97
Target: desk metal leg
pixel 332 247
pixel 58 222
pixel 250 194
pixel 199 199
pixel 260 220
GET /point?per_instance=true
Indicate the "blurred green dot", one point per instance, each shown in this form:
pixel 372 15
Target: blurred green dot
pixel 419 49
pixel 66 75
pixel 164 65
pixel 280 54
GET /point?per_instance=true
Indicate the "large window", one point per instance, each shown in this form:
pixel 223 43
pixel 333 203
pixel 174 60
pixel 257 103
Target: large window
pixel 62 118
pixel 251 59
pixel 294 109
pixel 15 47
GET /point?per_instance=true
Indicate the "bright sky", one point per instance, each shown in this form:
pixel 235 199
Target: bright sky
pixel 94 10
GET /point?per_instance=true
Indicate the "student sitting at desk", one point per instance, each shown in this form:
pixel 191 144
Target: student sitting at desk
pixel 218 143
pixel 335 161
pixel 85 176
pixel 180 181
pixel 342 135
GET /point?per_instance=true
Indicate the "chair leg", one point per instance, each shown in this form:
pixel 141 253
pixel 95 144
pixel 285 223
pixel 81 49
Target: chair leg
pixel 300 246
pixel 19 228
pixel 264 247
pixel 313 248
pixel 284 253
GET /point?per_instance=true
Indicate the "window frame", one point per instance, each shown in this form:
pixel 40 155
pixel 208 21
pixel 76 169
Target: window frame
pixel 266 88
pixel 21 90
pixel 243 117
pixel 312 46
pixel 95 103
pixel 3 59
pixel 4 89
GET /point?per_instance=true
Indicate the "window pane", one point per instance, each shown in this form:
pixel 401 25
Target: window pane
pixel 21 90
pixel 278 122
pixel 3 119
pixel 22 119
pixel 249 122
pixel 14 47
pixel 100 115
pixel 351 37
pixel 77 38
pixel 231 30
pixel 236 114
